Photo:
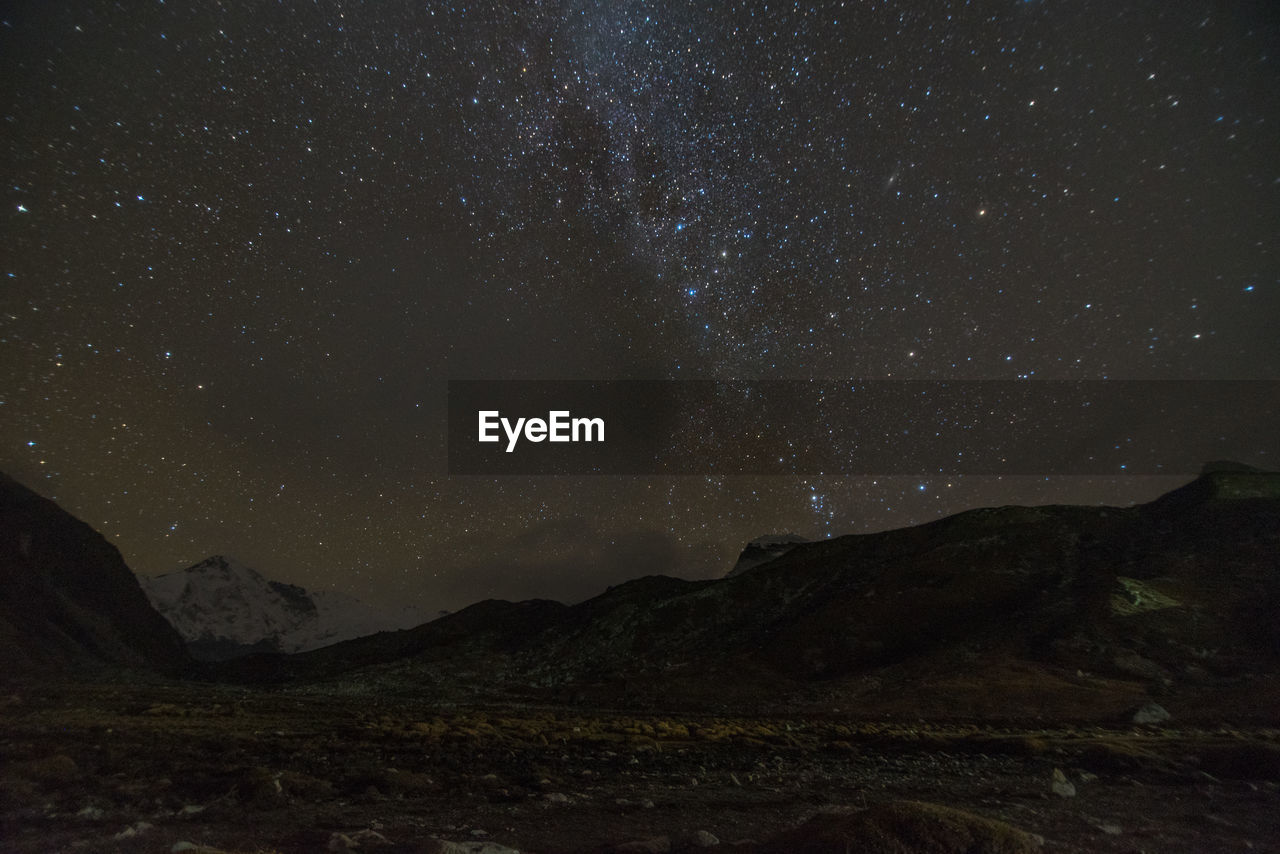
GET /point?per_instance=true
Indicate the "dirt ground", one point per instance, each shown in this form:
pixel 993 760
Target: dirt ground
pixel 143 767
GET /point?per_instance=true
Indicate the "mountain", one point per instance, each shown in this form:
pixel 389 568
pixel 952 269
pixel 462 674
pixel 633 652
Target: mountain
pixel 1066 612
pixel 224 609
pixel 69 601
pixel 764 549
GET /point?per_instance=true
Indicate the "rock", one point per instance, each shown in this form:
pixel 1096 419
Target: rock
pixel 258 787
pixel 91 813
pixel 1135 665
pixel 369 838
pixel 193 848
pixel 656 845
pixel 1151 713
pixel 442 846
pixel 556 798
pixel 1062 787
pixel 704 839
pixel 904 826
pixel 134 830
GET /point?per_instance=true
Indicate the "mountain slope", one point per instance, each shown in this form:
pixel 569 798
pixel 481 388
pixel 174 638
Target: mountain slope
pixel 1011 611
pixel 224 609
pixel 69 601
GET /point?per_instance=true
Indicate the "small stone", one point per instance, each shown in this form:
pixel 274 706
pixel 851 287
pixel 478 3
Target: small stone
pixel 1151 713
pixel 134 830
pixel 443 846
pixel 91 813
pixel 368 839
pixel 1061 785
pixel 704 839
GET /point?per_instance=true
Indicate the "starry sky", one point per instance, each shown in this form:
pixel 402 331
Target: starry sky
pixel 246 245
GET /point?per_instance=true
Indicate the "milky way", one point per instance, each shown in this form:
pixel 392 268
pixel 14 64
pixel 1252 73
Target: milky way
pixel 248 243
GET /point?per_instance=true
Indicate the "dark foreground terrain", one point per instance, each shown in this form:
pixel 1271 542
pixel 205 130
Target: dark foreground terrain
pixel 147 767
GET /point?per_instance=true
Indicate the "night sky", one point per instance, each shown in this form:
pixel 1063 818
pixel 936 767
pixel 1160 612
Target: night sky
pixel 247 243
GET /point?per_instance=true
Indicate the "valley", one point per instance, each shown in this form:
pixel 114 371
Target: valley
pixel 142 767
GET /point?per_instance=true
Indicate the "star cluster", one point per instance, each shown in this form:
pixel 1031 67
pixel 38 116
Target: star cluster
pixel 247 244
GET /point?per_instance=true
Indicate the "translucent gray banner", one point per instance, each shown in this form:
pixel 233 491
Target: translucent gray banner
pixel 766 427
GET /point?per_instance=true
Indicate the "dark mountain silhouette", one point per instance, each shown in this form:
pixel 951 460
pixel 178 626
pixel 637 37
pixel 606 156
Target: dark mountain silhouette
pixel 1056 611
pixel 69 601
pixel 764 549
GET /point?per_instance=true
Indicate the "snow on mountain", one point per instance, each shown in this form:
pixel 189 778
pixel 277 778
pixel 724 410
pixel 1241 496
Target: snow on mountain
pixel 764 549
pixel 223 608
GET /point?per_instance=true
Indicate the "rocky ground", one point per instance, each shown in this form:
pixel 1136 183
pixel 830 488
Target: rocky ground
pixel 161 767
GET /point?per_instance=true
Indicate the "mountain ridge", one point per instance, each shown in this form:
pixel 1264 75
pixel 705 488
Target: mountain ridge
pixel 1007 611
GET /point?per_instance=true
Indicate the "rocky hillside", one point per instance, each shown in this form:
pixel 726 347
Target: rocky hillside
pixel 69 601
pixel 224 609
pixel 1059 611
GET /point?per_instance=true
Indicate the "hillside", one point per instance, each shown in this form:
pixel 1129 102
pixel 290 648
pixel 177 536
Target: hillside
pixel 1076 612
pixel 69 601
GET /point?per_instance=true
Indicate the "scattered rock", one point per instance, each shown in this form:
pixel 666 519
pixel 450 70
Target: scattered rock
pixel 91 813
pixel 1151 713
pixel 556 798
pixel 1062 787
pixel 904 826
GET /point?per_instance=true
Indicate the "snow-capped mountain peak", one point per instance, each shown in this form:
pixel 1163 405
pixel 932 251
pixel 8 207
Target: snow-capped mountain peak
pixel 223 608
